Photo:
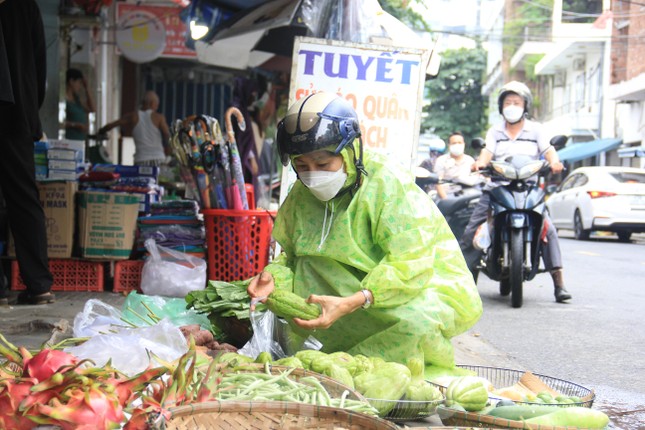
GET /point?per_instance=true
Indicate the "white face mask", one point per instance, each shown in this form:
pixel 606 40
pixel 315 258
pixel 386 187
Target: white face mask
pixel 457 149
pixel 324 185
pixel 513 113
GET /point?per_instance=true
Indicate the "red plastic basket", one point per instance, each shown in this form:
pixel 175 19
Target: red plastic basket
pixel 238 242
pixel 69 275
pixel 127 276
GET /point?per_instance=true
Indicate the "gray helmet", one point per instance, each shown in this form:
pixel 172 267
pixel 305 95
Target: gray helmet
pixel 518 88
pixel 315 122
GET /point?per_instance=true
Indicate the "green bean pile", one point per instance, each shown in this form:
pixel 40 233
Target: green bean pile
pixel 268 387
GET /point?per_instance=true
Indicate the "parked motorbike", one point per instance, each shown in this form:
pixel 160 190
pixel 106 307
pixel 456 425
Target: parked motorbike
pixel 457 207
pixel 515 225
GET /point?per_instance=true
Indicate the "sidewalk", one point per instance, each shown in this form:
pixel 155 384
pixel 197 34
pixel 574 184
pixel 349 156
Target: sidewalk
pixel 31 326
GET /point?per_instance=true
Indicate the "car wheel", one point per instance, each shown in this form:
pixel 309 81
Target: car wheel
pixel 579 232
pixel 624 236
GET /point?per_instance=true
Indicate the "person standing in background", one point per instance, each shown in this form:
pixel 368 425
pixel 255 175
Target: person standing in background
pixel 149 130
pixel 78 105
pixel 23 71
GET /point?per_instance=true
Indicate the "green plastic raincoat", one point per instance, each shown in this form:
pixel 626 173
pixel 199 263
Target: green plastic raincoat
pixel 389 238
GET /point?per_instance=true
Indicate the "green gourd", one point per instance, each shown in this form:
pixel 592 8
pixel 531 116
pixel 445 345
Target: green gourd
pixel 468 391
pixel 289 305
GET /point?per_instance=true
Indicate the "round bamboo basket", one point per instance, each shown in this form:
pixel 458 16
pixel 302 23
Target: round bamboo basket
pixel 269 415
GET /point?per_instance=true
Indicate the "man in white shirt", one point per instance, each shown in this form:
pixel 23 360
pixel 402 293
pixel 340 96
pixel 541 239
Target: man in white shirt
pixel 455 164
pixel 517 135
pixel 149 130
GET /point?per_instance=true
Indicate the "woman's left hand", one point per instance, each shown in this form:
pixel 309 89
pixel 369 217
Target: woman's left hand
pixel 333 308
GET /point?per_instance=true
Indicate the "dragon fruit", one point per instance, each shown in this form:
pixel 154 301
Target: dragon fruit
pixel 12 392
pixel 48 362
pixel 93 408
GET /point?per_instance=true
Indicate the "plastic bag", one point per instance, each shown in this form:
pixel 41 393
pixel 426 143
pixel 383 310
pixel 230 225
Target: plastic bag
pixel 482 240
pixel 97 317
pixel 171 273
pixel 262 339
pixel 131 349
pixel 275 335
pixel 137 306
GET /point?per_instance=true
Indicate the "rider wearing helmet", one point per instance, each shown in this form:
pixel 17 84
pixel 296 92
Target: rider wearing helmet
pixel 361 239
pixel 517 134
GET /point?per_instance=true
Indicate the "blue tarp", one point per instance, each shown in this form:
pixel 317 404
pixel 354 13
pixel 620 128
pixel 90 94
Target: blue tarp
pixel 582 150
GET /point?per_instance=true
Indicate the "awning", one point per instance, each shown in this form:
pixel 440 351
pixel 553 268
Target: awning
pixel 582 150
pixel 634 151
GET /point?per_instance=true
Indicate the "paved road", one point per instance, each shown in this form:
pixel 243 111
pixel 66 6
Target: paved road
pixel 597 340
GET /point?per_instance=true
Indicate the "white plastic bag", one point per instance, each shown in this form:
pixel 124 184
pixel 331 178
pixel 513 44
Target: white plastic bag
pixel 274 335
pixel 130 348
pixel 262 340
pixel 97 317
pixel 171 273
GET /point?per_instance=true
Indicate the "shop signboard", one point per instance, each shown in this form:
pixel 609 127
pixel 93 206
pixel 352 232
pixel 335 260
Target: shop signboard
pixel 383 83
pixel 147 38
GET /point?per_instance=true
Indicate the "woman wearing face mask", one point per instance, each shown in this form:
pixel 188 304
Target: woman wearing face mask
pixel 455 164
pixel 363 241
pixel 517 135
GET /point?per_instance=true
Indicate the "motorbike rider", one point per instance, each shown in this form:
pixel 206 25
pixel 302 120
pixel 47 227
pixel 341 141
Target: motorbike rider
pixel 517 134
pixel 453 165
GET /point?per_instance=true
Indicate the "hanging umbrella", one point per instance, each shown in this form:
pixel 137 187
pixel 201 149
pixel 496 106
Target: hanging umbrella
pixel 216 169
pixel 238 189
pixel 182 147
pixel 201 177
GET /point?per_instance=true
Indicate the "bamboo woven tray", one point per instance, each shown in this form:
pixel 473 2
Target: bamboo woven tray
pixel 452 417
pixel 267 416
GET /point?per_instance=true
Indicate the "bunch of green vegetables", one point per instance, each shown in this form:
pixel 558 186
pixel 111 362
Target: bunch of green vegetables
pixel 383 383
pixel 224 299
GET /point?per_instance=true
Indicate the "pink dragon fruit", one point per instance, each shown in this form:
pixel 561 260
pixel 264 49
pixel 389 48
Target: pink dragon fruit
pixel 93 409
pixel 12 392
pixel 47 362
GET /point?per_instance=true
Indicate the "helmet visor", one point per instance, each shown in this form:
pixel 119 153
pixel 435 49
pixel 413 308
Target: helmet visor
pixel 308 132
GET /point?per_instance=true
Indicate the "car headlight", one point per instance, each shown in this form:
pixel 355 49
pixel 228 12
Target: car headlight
pixel 529 169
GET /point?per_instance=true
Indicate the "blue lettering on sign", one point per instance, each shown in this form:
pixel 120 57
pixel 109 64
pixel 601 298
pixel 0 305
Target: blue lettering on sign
pixel 386 68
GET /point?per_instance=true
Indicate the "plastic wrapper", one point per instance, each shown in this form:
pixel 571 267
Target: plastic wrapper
pixel 171 273
pixel 97 317
pixel 137 306
pixel 132 350
pixel 274 335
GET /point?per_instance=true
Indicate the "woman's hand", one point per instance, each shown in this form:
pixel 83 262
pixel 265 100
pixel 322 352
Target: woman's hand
pixel 333 308
pixel 260 286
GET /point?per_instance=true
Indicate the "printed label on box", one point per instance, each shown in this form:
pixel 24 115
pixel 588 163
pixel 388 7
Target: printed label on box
pixel 107 222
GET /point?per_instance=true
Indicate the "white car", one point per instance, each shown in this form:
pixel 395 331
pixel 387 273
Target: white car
pixel 601 198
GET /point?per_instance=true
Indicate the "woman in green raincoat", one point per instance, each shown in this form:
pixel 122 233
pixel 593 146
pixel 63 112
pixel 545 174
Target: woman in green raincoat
pixel 363 241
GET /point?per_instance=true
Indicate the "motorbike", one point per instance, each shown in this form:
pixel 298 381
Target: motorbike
pixel 515 225
pixel 459 205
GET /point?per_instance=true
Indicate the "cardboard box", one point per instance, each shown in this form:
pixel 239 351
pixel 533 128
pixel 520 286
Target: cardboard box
pixel 107 223
pixel 57 199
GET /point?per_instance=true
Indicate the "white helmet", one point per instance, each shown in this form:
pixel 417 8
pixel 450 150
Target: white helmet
pixel 518 88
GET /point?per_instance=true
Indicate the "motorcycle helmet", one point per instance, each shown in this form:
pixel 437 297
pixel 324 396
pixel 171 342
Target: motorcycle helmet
pixel 318 121
pixel 518 88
